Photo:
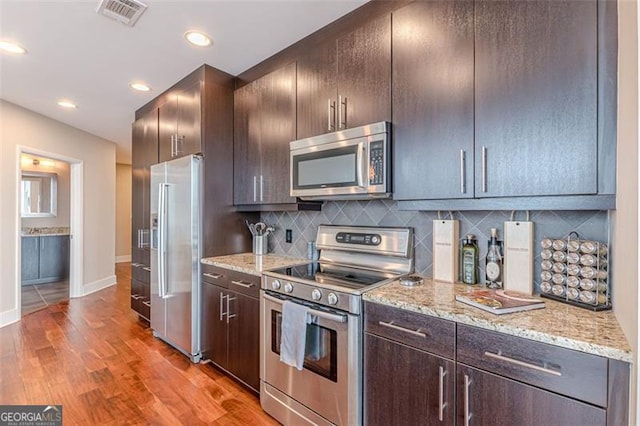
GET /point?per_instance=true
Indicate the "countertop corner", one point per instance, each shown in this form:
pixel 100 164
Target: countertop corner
pixel 252 264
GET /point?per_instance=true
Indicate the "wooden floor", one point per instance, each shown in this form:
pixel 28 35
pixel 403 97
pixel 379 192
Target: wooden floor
pixel 93 356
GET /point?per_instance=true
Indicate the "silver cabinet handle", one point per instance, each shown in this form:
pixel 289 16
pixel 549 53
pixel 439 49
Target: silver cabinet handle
pixel 463 172
pixel 146 268
pixel 484 169
pixel 342 112
pixel 229 315
pixel 136 296
pixel 331 115
pixel 222 313
pixel 406 330
pixel 441 403
pixel 147 303
pixel 135 265
pixel 261 188
pixel 255 188
pixel 242 284
pixel 214 276
pixel 467 414
pixel 501 357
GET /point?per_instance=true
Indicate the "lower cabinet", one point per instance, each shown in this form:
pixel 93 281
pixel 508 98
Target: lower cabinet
pixel 416 366
pixel 488 399
pixel 231 323
pixel 405 386
pixel 45 259
pixel 141 282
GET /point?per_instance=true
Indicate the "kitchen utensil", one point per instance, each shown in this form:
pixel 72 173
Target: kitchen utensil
pixel 260 228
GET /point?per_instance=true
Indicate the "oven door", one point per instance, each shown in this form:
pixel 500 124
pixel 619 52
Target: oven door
pixel 330 381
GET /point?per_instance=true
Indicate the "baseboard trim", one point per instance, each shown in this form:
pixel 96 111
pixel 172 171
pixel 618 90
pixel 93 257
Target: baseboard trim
pixel 123 259
pixel 9 317
pixel 99 285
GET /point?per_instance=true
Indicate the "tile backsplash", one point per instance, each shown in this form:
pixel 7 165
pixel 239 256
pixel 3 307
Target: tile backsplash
pixel 589 225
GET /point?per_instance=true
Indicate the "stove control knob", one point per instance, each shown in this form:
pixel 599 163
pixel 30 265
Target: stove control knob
pixel 332 299
pixel 288 288
pixel 276 285
pixel 316 294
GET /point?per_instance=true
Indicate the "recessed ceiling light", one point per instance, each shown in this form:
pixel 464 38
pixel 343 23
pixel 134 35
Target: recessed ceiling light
pixel 67 104
pixel 12 47
pixel 140 87
pixel 198 38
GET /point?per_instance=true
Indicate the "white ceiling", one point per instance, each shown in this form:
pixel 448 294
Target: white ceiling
pixel 75 53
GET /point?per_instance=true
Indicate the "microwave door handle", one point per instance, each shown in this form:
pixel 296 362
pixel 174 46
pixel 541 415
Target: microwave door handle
pixel 361 165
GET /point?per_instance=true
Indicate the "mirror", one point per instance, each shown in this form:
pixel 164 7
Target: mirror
pixel 39 194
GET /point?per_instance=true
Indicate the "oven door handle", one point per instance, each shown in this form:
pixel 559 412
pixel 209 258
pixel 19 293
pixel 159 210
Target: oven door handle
pixel 320 314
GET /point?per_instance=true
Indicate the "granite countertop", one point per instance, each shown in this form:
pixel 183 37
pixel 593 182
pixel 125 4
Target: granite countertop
pixel 558 324
pixel 251 264
pixel 49 231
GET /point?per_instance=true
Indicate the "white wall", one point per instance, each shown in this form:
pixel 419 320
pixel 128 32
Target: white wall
pixel 123 212
pixel 63 171
pixel 625 218
pixel 23 128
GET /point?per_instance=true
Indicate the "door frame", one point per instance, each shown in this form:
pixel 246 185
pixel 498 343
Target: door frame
pixel 76 222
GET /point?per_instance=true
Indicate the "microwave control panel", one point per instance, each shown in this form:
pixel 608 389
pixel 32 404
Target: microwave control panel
pixel 376 163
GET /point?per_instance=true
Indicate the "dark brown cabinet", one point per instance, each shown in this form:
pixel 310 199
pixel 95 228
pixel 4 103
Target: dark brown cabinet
pixel 144 155
pixel 488 399
pixel 503 104
pixel 180 123
pixel 433 100
pixel 346 82
pixel 406 378
pixel 231 323
pixel 264 123
pixel 536 98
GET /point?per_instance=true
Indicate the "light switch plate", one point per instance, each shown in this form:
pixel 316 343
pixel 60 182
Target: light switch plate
pixel 518 256
pixel 445 250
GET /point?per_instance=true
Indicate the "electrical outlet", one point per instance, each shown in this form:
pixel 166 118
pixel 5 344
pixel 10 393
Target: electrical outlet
pixel 288 236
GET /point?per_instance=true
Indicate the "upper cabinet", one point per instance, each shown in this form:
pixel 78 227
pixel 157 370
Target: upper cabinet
pixel 504 105
pixel 264 124
pixel 180 123
pixel 536 78
pixel 346 82
pixel 433 100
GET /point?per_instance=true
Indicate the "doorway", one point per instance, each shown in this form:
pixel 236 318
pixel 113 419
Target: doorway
pixel 49 244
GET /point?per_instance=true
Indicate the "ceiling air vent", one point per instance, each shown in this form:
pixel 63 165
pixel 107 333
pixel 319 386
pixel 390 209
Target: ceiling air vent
pixel 125 11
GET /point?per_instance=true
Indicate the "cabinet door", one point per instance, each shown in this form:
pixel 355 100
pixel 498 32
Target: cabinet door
pixel 244 338
pixel 189 121
pixel 137 184
pixel 54 257
pixel 167 129
pixel 487 399
pixel 136 295
pixel 406 386
pixel 364 74
pixel 246 143
pixel 214 325
pixel 535 98
pixel 278 128
pixel 433 100
pixel 30 259
pixel 317 91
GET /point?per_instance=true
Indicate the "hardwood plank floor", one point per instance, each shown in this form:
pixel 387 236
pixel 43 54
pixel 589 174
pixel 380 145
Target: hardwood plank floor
pixel 94 356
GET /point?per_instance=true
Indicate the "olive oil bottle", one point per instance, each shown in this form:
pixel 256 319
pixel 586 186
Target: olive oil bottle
pixel 470 259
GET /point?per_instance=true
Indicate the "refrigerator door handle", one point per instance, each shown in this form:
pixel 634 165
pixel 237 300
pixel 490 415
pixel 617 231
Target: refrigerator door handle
pixel 162 239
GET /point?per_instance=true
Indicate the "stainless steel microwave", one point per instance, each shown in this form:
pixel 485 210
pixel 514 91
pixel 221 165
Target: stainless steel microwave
pixel 350 164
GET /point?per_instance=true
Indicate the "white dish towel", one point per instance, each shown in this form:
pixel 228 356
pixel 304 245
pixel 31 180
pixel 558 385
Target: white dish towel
pixel 293 333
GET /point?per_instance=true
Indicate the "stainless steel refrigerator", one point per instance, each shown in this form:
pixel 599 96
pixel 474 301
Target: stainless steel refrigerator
pixel 175 253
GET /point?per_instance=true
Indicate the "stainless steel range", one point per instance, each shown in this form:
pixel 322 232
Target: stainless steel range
pixel 328 388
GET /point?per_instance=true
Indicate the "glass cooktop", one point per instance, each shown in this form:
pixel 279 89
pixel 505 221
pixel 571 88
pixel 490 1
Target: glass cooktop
pixel 351 278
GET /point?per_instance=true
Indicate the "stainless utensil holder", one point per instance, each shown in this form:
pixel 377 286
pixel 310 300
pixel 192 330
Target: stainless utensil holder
pixel 260 244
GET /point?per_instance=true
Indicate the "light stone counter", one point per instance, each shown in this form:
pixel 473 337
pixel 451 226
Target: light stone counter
pixel 249 263
pixel 558 324
pixel 49 231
